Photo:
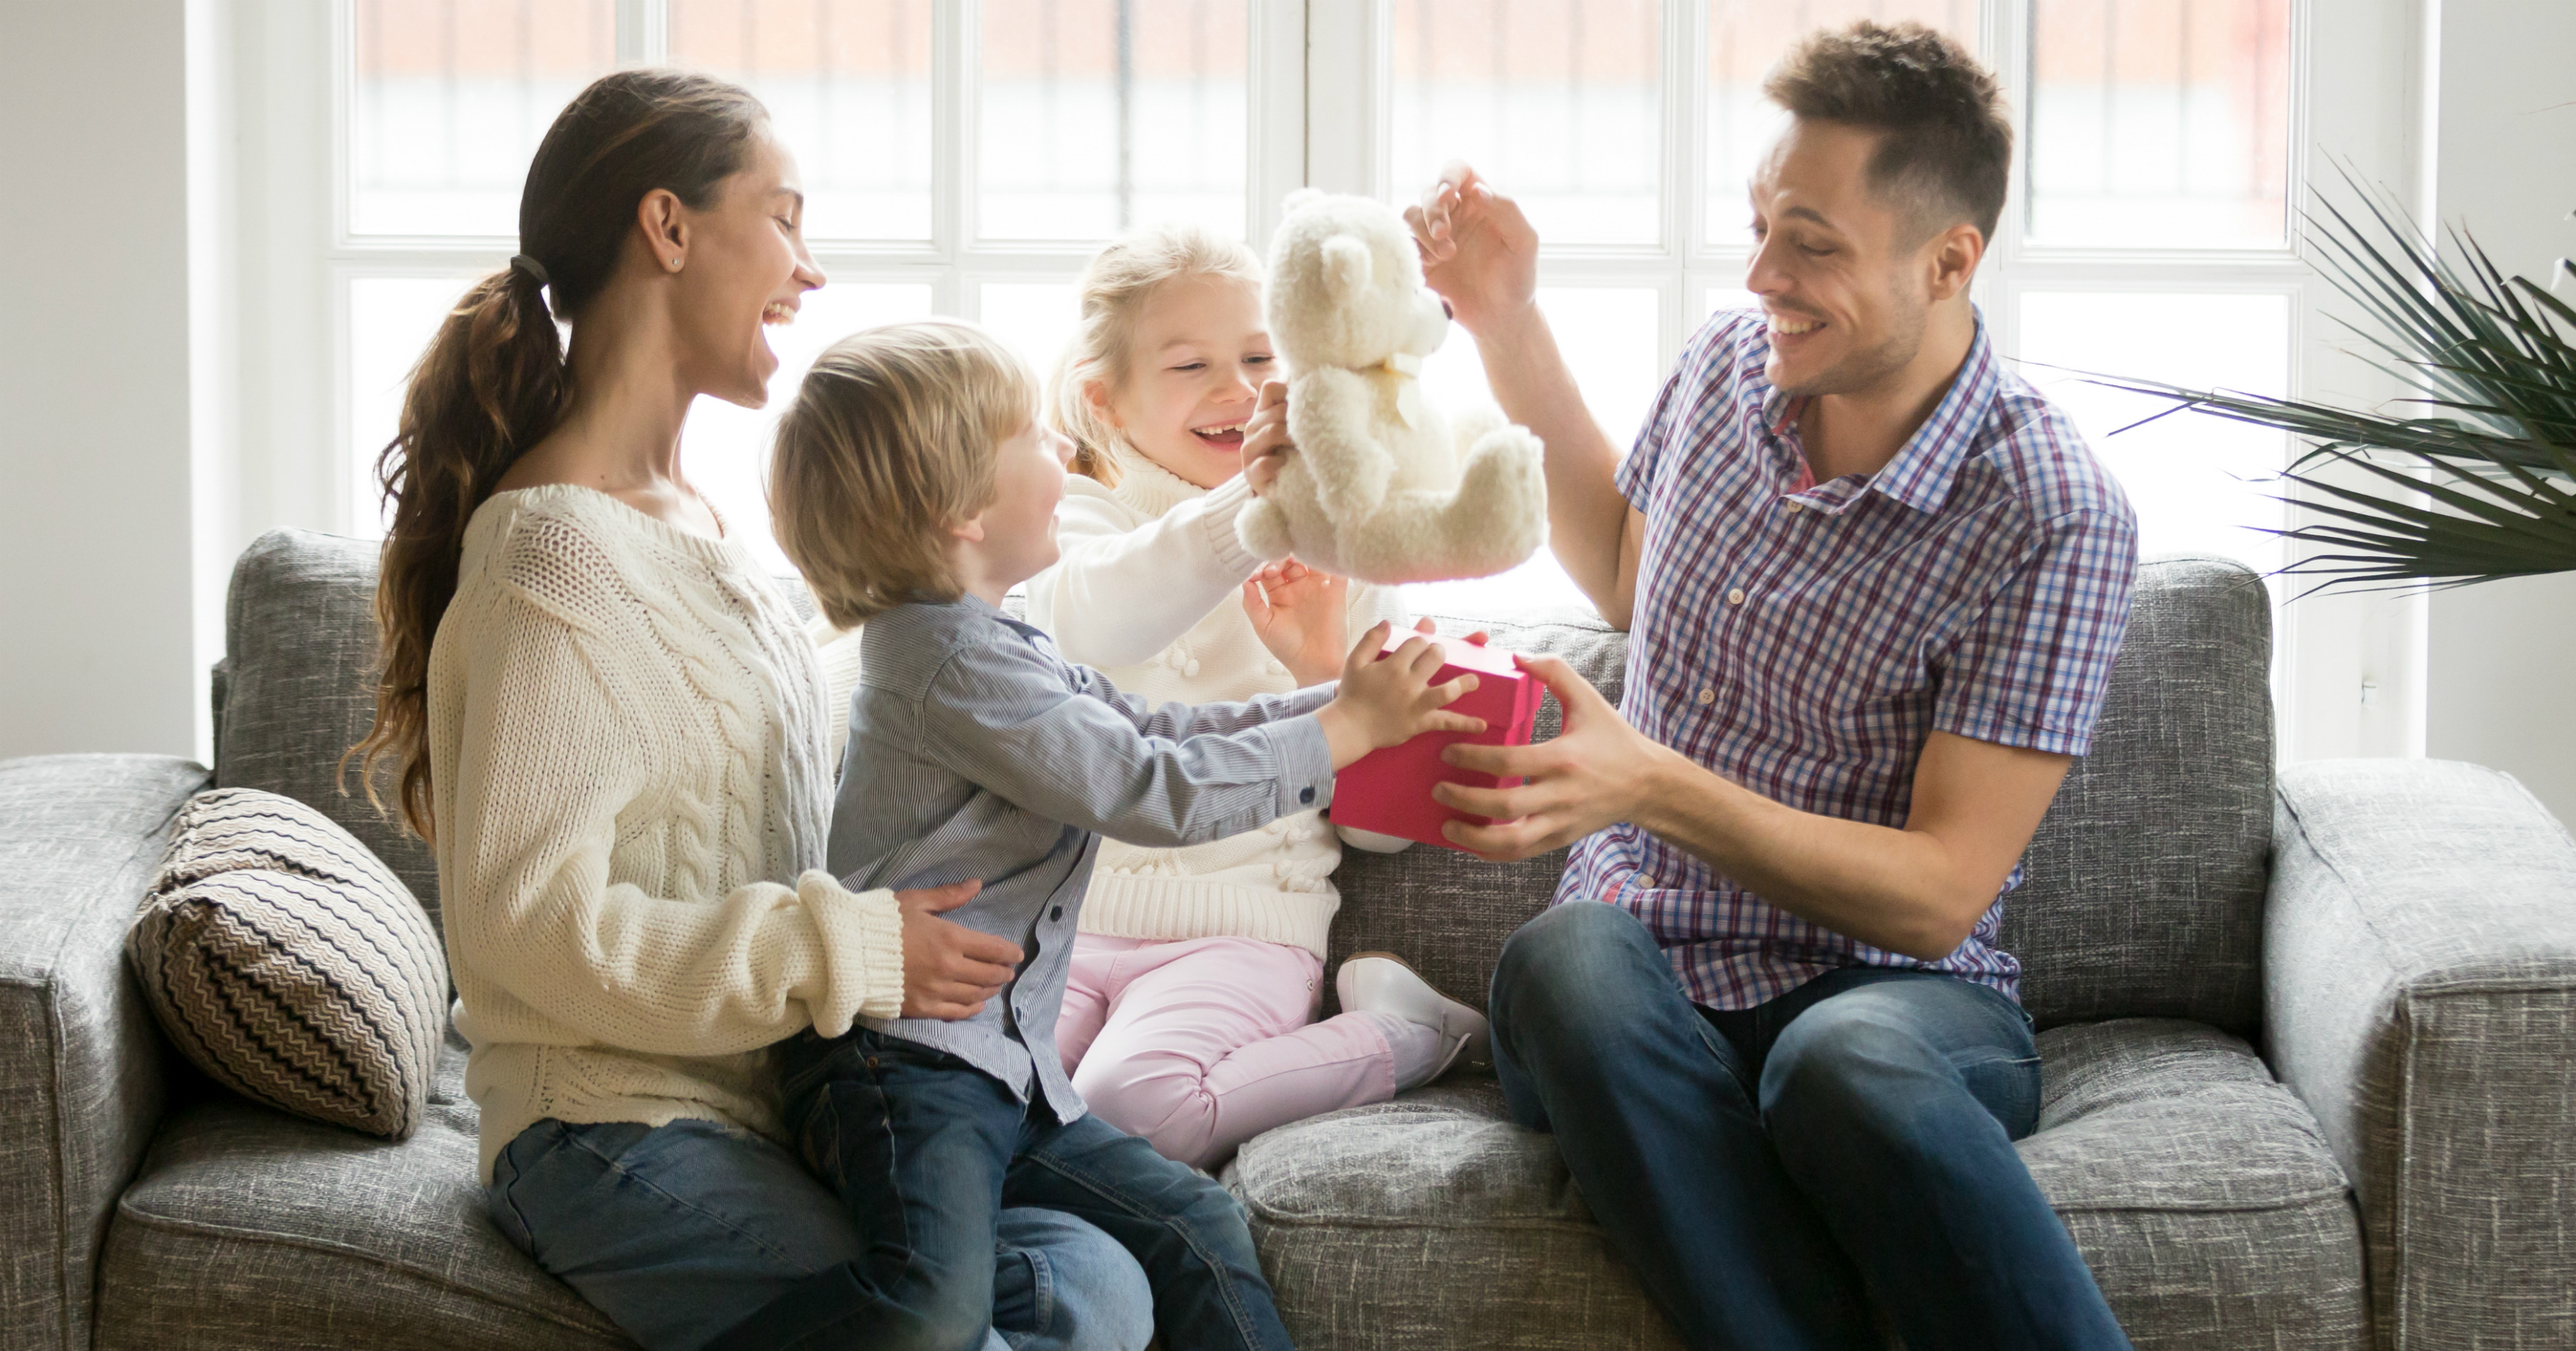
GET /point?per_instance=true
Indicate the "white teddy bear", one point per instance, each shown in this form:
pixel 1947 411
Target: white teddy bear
pixel 1380 488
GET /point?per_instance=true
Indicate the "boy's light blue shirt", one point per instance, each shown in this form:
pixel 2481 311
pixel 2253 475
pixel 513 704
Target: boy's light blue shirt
pixel 977 752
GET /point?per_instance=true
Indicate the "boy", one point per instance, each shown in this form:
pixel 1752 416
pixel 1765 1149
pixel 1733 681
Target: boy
pixel 913 486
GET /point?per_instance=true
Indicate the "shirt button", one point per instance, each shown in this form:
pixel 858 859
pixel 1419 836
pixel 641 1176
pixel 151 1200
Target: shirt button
pixel 1305 795
pixel 1057 913
pixel 1648 882
pixel 1707 697
pixel 1796 506
pixel 1191 669
pixel 1735 597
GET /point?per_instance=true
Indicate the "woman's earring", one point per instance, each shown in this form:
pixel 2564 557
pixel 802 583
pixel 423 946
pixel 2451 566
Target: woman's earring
pixel 675 264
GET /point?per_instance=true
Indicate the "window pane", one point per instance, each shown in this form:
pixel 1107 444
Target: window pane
pixel 2160 123
pixel 2199 484
pixel 391 320
pixel 726 448
pixel 848 87
pixel 1099 115
pixel 1609 339
pixel 1744 38
pixel 1037 319
pixel 450 99
pixel 1557 101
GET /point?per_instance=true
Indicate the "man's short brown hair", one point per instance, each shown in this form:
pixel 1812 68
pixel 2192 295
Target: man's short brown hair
pixel 1945 136
pixel 891 440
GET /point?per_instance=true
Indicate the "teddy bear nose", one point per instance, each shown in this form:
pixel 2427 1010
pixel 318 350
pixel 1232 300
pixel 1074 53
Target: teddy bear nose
pixel 1445 311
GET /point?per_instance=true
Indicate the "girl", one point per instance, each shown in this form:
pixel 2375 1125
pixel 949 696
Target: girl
pixel 1197 971
pixel 608 721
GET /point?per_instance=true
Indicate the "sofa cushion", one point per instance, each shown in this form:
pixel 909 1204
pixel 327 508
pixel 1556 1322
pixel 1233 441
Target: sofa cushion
pixel 1445 912
pixel 253 1229
pixel 2144 886
pixel 2199 1190
pixel 286 962
pixel 299 688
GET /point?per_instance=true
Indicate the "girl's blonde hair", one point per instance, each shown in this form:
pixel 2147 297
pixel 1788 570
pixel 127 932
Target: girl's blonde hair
pixel 1122 278
pixel 892 439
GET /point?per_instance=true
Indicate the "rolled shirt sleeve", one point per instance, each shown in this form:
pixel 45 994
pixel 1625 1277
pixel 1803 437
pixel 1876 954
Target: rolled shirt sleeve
pixel 2031 668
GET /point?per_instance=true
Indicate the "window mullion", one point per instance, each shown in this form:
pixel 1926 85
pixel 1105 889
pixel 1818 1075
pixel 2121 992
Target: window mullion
pixel 953 54
pixel 643 32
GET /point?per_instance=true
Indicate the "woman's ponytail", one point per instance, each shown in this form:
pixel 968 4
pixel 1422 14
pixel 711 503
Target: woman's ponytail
pixel 491 385
pixel 494 381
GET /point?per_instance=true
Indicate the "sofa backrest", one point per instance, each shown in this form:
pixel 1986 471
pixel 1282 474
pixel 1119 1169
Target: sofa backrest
pixel 2144 887
pixel 2145 883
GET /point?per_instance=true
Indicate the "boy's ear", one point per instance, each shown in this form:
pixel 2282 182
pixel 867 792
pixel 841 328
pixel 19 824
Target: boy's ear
pixel 970 530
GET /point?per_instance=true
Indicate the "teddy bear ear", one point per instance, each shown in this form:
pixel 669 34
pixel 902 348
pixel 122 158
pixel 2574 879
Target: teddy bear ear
pixel 1348 265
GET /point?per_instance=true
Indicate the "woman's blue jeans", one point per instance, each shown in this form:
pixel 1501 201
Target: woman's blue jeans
pixel 680 1232
pixel 1771 1172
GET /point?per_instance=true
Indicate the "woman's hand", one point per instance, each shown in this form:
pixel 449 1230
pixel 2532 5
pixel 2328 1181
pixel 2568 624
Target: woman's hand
pixel 949 970
pixel 1478 251
pixel 1302 615
pixel 1387 701
pixel 1266 446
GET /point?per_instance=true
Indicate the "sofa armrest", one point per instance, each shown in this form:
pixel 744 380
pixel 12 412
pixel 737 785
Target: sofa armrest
pixel 2420 993
pixel 80 1060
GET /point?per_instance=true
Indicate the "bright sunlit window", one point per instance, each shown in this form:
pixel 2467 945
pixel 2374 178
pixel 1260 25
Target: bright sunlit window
pixel 965 158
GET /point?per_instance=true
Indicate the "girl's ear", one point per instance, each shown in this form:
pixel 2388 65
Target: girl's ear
pixel 1095 392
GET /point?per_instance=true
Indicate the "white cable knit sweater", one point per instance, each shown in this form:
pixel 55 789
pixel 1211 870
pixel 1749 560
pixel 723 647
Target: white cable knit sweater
pixel 628 773
pixel 1149 592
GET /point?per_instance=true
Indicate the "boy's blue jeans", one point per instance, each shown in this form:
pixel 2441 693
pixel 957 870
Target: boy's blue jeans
pixel 679 1232
pixel 1768 1172
pixel 925 1150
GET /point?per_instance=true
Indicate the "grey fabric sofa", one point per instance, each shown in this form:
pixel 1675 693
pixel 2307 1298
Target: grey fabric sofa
pixel 2309 1048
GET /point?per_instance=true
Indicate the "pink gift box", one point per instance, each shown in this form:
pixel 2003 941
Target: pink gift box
pixel 1389 790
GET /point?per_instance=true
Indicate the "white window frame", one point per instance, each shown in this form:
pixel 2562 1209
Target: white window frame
pixel 2349 669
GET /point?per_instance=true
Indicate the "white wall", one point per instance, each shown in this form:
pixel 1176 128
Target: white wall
pixel 2501 665
pixel 96 636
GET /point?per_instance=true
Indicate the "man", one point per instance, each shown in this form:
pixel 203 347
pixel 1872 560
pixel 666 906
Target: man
pixel 1874 585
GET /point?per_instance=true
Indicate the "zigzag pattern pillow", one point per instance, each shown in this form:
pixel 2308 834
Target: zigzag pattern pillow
pixel 287 962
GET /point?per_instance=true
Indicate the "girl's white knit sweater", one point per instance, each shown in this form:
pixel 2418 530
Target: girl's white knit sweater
pixel 1149 592
pixel 631 795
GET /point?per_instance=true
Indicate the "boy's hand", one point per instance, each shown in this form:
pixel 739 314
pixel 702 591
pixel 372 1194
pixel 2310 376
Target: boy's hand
pixel 1300 614
pixel 1389 701
pixel 949 970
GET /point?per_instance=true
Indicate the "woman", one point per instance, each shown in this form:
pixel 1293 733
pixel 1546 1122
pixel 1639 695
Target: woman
pixel 609 724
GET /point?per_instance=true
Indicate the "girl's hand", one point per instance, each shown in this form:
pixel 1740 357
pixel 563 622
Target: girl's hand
pixel 1301 614
pixel 1266 446
pixel 949 970
pixel 1387 701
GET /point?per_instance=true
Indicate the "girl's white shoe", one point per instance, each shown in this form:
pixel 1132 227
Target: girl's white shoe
pixel 1380 983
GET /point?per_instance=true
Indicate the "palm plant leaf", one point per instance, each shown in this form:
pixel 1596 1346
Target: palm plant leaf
pixel 2483 483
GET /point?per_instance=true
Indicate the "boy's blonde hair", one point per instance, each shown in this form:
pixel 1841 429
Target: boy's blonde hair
pixel 891 440
pixel 1115 289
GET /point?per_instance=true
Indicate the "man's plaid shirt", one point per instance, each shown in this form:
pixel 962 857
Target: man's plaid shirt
pixel 1804 639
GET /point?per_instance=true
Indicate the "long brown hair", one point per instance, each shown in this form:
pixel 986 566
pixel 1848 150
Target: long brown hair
pixel 493 382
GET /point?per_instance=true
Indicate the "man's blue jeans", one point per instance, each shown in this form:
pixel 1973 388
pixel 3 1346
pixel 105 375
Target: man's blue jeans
pixel 1768 1172
pixel 680 1232
pixel 925 1150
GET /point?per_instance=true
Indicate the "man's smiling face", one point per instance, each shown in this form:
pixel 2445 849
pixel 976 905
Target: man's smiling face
pixel 1841 270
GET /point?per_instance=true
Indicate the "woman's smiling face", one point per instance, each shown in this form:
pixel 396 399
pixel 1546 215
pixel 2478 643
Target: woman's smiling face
pixel 1195 363
pixel 745 267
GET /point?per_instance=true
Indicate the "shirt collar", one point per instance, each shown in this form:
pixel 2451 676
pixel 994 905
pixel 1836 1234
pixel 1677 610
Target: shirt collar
pixel 1928 463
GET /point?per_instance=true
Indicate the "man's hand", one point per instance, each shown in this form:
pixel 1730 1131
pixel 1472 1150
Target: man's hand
pixel 1478 251
pixel 949 970
pixel 1266 446
pixel 1593 774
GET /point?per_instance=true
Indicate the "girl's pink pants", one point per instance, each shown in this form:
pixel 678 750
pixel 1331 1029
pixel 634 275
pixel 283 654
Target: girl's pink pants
pixel 1199 1044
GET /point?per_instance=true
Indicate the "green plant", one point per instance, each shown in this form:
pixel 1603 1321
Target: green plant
pixel 2495 358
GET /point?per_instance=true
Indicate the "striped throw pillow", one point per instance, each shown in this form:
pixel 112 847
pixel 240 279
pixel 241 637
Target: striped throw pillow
pixel 286 961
